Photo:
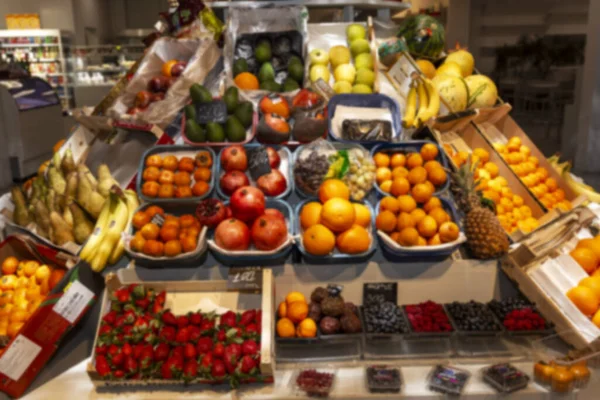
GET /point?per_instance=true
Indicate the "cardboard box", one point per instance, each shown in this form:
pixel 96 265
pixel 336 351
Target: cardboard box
pixel 39 338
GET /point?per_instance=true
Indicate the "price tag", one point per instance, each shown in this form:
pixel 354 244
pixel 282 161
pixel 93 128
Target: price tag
pixel 18 357
pixel 258 162
pixel 73 302
pixel 244 278
pixel 211 112
pixel 380 292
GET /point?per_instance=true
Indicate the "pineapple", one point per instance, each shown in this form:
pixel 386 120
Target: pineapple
pixel 485 236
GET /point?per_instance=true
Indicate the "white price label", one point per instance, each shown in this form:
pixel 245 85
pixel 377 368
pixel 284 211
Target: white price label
pixel 18 357
pixel 72 303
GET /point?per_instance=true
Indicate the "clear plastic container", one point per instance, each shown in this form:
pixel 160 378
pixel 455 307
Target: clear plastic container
pixel 382 379
pixel 505 378
pixel 448 379
pixel 314 382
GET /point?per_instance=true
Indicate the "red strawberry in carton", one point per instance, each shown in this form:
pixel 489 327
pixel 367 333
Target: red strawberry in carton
pixel 207 327
pixel 168 318
pixel 206 362
pixel 249 347
pixel 167 333
pixel 172 368
pixel 182 321
pixel 190 370
pixel 110 318
pixel 177 352
pixel 146 359
pixel 204 345
pixel 196 318
pixel 189 351
pixel 102 366
pixel 247 365
pixel 118 359
pixel 182 335
pixel 101 349
pixel 161 352
pixel 105 330
pixel 229 319
pixel 247 317
pixel 221 335
pixel 219 350
pixel 195 333
pixel 119 374
pixel 127 349
pixel 218 369
pixel 130 365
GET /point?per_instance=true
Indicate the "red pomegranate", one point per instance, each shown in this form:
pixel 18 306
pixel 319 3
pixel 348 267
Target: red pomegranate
pixel 233 234
pixel 211 212
pixel 268 232
pixel 274 159
pixel 273 183
pixel 247 203
pixel 234 158
pixel 275 213
pixel 232 181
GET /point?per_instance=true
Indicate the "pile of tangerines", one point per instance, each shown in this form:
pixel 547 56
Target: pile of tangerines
pixel 293 318
pixel 586 295
pixel 335 222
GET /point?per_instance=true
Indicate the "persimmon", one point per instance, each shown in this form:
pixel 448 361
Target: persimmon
pixel 166 191
pixel 182 178
pixel 151 174
pixel 150 189
pixel 166 177
pixel 202 174
pixel 186 164
pixel 140 219
pixel 183 192
pixel 170 163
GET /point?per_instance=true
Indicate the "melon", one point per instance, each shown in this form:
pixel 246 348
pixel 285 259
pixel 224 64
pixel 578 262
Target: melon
pixel 482 91
pixel 453 90
pixel 449 68
pixel 465 61
pixel 424 36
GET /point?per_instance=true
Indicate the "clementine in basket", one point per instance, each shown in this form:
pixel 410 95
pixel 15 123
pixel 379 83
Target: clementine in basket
pixel 293 297
pixel 9 265
pixel 427 227
pixel 154 161
pixel 482 154
pixel 153 210
pixel 389 203
pixel 286 328
pixel 187 220
pixel 398 160
pixel 399 172
pixel 183 192
pixel 417 175
pixel 189 244
pixel 421 193
pixel 282 310
pixel 200 188
pixel 310 214
pixel 386 221
pixel 246 81
pixel 399 186
pixel 432 204
pixel 386 186
pixel 585 299
pixel 338 214
pixel 297 311
pixel 363 215
pixel 586 258
pixel 429 151
pixel 182 178
pixel 405 220
pixel 166 177
pixel 434 240
pixel 307 328
pixel 381 160
pixel 431 165
pixel 140 219
pixel 137 243
pixel 173 248
pixel 448 232
pixel 151 174
pixel 417 215
pixel 150 231
pixel 150 189
pixel 422 241
pixel 166 191
pixel 186 164
pixel 408 237
pixel 414 160
pixel 592 282
pixel 331 188
pixel 355 240
pixel 438 176
pixel 202 174
pixel 406 203
pixel 169 232
pixel 154 248
pixel 318 240
pixel 383 174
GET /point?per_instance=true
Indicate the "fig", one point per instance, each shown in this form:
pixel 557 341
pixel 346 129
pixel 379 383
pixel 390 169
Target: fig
pixel 314 311
pixel 351 308
pixel 350 323
pixel 329 325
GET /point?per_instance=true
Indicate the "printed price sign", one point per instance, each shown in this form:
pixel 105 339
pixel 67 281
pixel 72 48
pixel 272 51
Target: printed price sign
pixel 73 302
pixel 244 278
pixel 380 292
pixel 258 162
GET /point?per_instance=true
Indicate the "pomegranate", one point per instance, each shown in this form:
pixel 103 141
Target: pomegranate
pixel 233 180
pixel 247 203
pixel 233 234
pixel 211 212
pixel 274 159
pixel 273 183
pixel 228 212
pixel 268 232
pixel 234 158
pixel 275 213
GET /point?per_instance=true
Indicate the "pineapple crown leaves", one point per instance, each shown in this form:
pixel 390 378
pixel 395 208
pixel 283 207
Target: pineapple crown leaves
pixel 334 290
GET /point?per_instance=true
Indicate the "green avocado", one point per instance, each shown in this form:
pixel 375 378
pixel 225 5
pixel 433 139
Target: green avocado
pixel 214 132
pixel 240 65
pixel 190 112
pixel 294 60
pixel 296 71
pixel 271 86
pixel 234 129
pixel 266 73
pixel 244 113
pixel 194 132
pixel 290 85
pixel 199 94
pixel 231 99
pixel 262 52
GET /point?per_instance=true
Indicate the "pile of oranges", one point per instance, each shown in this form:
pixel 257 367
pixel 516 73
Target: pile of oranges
pixel 169 177
pixel 23 287
pixel 335 222
pixel 417 174
pixel 536 178
pixel 293 318
pixel 176 236
pixel 586 295
pixel 411 224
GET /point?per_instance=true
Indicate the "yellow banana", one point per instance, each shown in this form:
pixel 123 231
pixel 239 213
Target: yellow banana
pixel 133 203
pixel 423 103
pixel 582 188
pixel 118 222
pixel 433 108
pixel 411 107
pixel 88 250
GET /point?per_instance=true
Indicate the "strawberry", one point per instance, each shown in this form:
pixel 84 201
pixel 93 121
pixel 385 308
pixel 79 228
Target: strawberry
pixel 195 333
pixel 258 317
pixel 121 321
pixel 182 321
pixel 150 337
pixel 140 324
pixel 143 303
pixel 249 347
pixel 230 365
pixel 167 333
pixel 247 317
pixel 229 319
pixel 157 308
pixel 118 359
pixel 147 357
pixel 207 360
pixel 218 369
pixel 204 345
pixel 219 350
pixel 189 351
pixel 251 329
pixel 127 349
pixel 123 296
pixel 130 365
pixel 161 298
pixel 119 374
pixel 221 335
pixel 127 330
pixel 105 330
pixel 182 335
pixel 137 376
pixel 171 368
pixel 177 352
pixel 168 318
pixel 110 318
pixel 130 316
pixel 137 350
pixel 233 352
pixel 196 318
pixel 207 326
pixel 190 370
pixel 161 352
pixel 101 350
pixel 102 366
pixel 137 291
pixel 247 364
pixel 113 349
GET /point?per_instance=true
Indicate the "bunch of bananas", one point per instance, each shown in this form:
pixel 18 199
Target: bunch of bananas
pixel 428 103
pixel 106 245
pixel 564 169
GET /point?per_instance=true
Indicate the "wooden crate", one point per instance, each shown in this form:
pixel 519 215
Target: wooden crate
pixel 185 296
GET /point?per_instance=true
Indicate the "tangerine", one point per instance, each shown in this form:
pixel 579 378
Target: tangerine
pixel 418 214
pixel 440 215
pixel 150 231
pixel 285 327
pixel 187 220
pixel 483 154
pixel 432 204
pixel 173 248
pixel 338 214
pixel 414 160
pixel 434 240
pixel 427 227
pixel 151 174
pixel 591 282
pixel 166 191
pixel 355 240
pixel 318 240
pixel 182 178
pixel 293 297
pixel 140 219
pixel 363 215
pixel 398 160
pixel 199 189
pixel 307 328
pixel 153 210
pixel 246 81
pixel 406 203
pixel 202 174
pixel 386 221
pixel 437 176
pixel 586 258
pixel 150 189
pixel 310 214
pixel 399 187
pixel 297 311
pixel 332 188
pixel 381 160
pixel 408 237
pixel 448 232
pixel 421 193
pixel 417 175
pixel 399 172
pixel 169 232
pixel 9 265
pixel 154 160
pixel 383 174
pixel 492 168
pixel 282 309
pixel 389 203
pixel 186 164
pixel 189 243
pixel 405 220
pixel 170 163
pixel 429 151
pixel 584 299
pixel 154 248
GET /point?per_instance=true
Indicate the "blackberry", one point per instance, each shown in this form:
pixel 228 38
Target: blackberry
pixel 472 317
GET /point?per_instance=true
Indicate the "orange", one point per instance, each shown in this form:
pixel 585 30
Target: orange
pixel 591 282
pixel 169 232
pixel 596 319
pixel 8 282
pixel 307 329
pixel 414 160
pixel 429 151
pixel 431 165
pixel 483 154
pixel 246 81
pixel 153 210
pixel 285 328
pixel 434 240
pixel 310 214
pixel 381 160
pixel 389 203
pixel 14 328
pixel 408 237
pixel 173 248
pixel 438 177
pixel 338 214
pixel 586 258
pixel 395 236
pixel 19 316
pixel 439 215
pixel 551 184
pixel 406 203
pixel 383 174
pixel 318 240
pixel 9 265
pixel 417 215
pixel 297 311
pixel 166 67
pixel 398 160
pixel 417 175
pixel 405 220
pixel 492 169
pixel 363 215
pixel 386 221
pixel 293 297
pixel 427 227
pixel 151 174
pixel 137 243
pixel 421 193
pixel 431 204
pixel 525 150
pixel 199 189
pixel 399 172
pixel 422 241
pixel 592 244
pixel 282 309
pixel 399 187
pixel 585 299
pixel 386 186
pixel 448 232
pixel 355 240
pixel 331 188
pixel 154 161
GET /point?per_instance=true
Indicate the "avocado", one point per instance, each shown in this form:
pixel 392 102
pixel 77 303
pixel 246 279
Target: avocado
pixel 290 85
pixel 244 113
pixel 231 99
pixel 234 129
pixel 199 94
pixel 190 111
pixel 214 132
pixel 296 71
pixel 262 52
pixel 294 60
pixel 266 73
pixel 194 132
pixel 240 65
pixel 271 86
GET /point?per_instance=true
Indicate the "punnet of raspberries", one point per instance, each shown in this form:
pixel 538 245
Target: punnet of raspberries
pixel 428 317
pixel 315 383
pixel 139 339
pixel 518 314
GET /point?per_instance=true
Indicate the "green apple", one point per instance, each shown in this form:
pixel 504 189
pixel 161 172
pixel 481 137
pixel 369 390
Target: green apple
pixel 319 57
pixel 360 46
pixel 365 76
pixel 339 55
pixel 319 71
pixel 345 72
pixel 364 60
pixel 361 89
pixel 355 31
pixel 342 87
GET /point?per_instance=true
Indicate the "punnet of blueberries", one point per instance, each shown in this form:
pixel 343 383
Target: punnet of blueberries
pixel 518 314
pixel 384 317
pixel 472 317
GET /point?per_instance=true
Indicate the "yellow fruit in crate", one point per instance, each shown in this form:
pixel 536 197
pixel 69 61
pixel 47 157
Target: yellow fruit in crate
pixel 534 160
pixel 514 144
pixel 422 193
pixel 42 273
pixel 584 299
pixel 431 165
pixel 389 203
pixel 490 194
pixel 294 297
pixel 507 204
pixel 585 258
pixel 427 68
pixel 500 147
pixel 483 154
pixel 399 172
pixel 492 168
pixel 483 174
pixel 438 176
pixel 500 209
pixel 551 184
pixel 526 151
pixel 8 282
pixel 398 160
pixel 495 186
pixel 593 283
pixel 506 192
pixel 285 328
pixel 381 160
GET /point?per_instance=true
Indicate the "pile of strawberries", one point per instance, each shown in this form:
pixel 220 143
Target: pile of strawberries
pixel 139 340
